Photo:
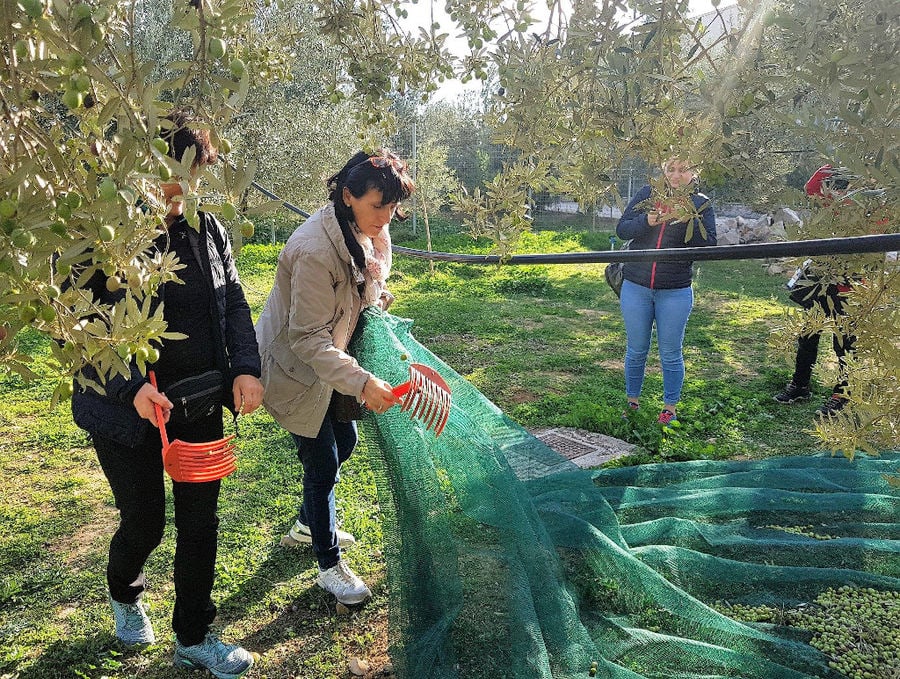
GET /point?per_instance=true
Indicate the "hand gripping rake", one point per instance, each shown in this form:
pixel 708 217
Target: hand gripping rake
pixel 194 462
pixel 427 397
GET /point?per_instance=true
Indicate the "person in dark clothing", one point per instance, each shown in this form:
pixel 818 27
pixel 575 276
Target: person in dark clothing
pixel 660 292
pixel 824 185
pixel 211 310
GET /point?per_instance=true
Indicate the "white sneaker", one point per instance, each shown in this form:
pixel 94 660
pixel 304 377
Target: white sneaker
pixel 299 534
pixel 343 583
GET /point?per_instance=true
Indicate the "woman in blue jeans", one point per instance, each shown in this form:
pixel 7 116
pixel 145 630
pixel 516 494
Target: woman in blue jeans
pixel 332 266
pixel 671 216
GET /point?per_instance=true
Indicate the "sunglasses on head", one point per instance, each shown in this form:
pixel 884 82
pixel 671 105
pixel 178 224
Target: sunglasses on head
pixel 387 161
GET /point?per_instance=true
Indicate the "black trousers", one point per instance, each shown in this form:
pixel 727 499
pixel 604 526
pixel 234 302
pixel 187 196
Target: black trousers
pixel 808 345
pixel 137 481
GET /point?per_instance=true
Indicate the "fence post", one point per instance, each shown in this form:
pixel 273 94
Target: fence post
pixel 415 173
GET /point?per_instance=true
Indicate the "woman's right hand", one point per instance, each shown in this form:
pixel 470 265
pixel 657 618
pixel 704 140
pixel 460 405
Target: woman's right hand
pixel 378 396
pixel 144 400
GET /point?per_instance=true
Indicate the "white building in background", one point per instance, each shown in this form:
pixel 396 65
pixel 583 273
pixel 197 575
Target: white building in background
pixel 717 23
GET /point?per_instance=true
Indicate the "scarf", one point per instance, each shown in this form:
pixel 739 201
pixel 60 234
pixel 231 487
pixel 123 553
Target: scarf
pixel 378 264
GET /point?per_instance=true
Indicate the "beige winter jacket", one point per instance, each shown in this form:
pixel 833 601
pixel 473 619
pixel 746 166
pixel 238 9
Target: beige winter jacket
pixel 306 325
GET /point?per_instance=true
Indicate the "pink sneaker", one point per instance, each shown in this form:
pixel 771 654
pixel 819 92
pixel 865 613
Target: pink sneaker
pixel 666 417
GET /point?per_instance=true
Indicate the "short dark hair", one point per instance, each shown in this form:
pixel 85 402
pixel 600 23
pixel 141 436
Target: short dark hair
pixel 182 135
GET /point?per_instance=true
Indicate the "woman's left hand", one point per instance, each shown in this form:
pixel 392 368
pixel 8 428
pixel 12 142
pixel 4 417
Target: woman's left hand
pixel 386 300
pixel 248 393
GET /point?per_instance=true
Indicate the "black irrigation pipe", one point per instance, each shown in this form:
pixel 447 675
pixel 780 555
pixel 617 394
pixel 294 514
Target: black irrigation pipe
pixel 268 194
pixel 801 248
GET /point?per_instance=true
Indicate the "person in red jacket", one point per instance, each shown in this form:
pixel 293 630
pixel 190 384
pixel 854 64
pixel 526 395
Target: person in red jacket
pixel 826 184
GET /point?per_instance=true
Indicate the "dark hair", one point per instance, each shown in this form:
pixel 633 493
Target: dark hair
pixel 181 135
pixel 383 171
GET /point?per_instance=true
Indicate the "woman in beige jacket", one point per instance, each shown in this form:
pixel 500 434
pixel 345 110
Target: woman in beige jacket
pixel 332 266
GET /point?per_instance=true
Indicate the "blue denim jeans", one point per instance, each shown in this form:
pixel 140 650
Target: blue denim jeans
pixel 322 458
pixel 670 309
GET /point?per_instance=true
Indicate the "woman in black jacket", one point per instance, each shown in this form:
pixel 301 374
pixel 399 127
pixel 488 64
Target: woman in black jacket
pixel 210 308
pixel 661 292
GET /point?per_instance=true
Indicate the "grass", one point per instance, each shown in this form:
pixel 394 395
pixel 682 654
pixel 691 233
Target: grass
pixel 564 318
pixel 543 342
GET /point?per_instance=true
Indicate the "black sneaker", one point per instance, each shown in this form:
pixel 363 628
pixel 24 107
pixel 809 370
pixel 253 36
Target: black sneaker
pixel 832 406
pixel 793 393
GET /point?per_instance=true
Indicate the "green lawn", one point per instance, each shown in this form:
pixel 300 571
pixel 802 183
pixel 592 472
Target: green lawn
pixel 545 343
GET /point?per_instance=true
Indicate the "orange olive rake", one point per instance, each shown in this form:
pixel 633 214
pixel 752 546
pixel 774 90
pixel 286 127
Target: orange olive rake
pixel 427 397
pixel 194 462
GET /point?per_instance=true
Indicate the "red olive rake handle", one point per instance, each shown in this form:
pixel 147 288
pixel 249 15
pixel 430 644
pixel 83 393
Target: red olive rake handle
pixel 427 397
pixel 160 418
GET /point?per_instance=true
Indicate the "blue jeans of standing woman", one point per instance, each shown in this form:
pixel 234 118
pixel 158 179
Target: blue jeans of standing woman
pixel 669 309
pixel 322 458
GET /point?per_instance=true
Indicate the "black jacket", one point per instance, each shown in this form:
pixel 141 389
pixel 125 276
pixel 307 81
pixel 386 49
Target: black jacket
pixel 663 275
pixel 113 415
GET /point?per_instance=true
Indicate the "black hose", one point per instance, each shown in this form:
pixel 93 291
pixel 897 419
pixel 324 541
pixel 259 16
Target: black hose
pixel 800 248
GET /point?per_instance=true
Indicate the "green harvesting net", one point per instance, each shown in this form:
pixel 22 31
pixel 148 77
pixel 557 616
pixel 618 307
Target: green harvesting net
pixel 506 560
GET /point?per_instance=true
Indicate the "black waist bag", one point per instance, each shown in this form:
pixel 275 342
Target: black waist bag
pixel 196 397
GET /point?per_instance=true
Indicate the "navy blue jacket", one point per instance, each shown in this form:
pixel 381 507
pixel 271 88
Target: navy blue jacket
pixel 113 415
pixel 663 275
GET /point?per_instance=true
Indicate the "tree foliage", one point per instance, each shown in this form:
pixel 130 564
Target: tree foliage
pixel 81 102
pixel 435 183
pixel 472 152
pixel 294 129
pixel 574 90
pixel 596 82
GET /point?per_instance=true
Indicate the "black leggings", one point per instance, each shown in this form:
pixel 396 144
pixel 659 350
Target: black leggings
pixel 137 481
pixel 808 345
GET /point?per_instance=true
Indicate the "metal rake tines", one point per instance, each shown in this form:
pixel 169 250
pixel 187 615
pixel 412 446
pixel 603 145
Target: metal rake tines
pixel 426 397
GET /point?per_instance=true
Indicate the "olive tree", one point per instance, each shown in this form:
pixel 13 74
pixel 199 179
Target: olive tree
pixel 435 183
pixel 295 130
pixel 594 82
pixel 844 62
pixel 82 103
pixel 574 92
